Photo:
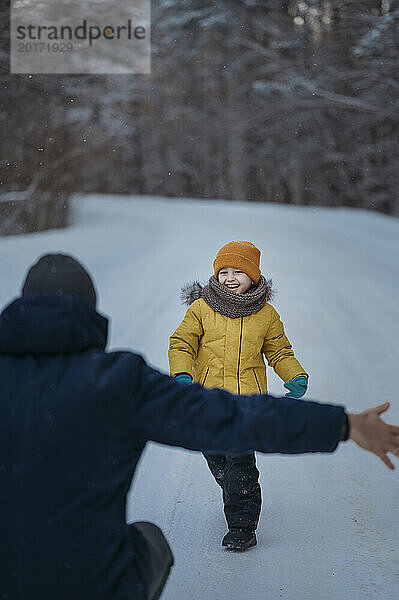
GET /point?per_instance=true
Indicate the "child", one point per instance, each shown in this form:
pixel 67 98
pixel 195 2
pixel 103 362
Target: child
pixel 227 329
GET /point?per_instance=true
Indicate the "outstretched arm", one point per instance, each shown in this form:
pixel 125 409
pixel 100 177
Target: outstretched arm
pixel 163 410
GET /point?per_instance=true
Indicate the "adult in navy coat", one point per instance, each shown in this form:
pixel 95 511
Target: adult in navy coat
pixel 74 421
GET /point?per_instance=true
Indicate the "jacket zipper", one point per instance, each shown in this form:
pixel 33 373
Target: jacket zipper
pixel 257 382
pixel 206 375
pixel 239 356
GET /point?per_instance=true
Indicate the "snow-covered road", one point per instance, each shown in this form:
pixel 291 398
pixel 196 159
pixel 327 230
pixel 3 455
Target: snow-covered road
pixel 329 528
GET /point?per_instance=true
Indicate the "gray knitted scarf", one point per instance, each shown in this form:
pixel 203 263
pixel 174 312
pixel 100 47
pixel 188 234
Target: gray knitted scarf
pixel 226 302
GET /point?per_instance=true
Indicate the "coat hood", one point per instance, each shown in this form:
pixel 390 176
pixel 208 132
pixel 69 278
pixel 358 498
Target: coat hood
pixel 193 291
pixel 51 324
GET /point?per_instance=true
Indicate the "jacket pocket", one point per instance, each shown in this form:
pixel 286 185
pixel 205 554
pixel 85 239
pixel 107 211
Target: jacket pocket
pixel 205 377
pixel 257 381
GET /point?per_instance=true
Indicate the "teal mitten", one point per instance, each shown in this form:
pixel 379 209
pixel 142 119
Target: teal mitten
pixel 297 387
pixel 184 378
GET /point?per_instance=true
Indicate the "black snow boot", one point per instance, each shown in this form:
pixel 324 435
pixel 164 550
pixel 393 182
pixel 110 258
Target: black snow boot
pixel 239 540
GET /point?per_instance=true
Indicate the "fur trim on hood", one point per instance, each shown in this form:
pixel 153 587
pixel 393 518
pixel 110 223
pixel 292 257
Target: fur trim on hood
pixel 191 292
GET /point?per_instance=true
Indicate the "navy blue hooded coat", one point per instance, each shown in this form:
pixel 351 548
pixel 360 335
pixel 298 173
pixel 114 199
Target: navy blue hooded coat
pixel 74 420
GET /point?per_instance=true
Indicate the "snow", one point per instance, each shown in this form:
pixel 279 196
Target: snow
pixel 329 527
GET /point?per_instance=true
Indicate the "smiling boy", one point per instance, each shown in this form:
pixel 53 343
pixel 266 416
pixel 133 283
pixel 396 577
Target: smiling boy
pixel 227 330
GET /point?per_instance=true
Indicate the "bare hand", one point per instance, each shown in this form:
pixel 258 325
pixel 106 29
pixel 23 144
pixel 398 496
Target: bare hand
pixel 370 432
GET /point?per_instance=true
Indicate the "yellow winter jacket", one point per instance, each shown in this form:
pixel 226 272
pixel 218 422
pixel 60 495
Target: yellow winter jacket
pixel 223 352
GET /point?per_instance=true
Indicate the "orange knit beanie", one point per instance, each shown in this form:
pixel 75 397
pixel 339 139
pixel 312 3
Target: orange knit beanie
pixel 242 255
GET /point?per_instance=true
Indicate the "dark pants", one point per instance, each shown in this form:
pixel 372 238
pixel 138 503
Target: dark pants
pixel 153 557
pixel 238 478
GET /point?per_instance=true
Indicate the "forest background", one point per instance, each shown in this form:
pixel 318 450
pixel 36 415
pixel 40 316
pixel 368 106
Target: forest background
pixel 267 101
